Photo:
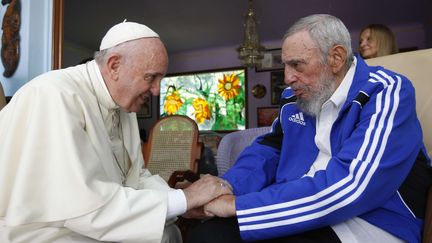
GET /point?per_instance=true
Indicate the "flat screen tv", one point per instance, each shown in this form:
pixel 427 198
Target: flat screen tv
pixel 215 99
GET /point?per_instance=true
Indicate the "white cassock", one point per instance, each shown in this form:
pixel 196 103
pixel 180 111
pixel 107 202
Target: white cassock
pixel 60 172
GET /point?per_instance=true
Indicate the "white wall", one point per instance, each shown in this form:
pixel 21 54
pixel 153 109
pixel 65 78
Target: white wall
pixel 35 44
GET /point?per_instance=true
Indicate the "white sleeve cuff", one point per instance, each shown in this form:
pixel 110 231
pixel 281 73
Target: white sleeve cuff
pixel 177 204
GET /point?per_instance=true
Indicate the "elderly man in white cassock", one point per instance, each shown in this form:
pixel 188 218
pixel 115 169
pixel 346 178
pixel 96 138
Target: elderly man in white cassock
pixel 71 168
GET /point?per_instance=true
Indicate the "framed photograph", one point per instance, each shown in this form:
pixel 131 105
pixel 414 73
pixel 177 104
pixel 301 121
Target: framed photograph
pixel 266 116
pixel 145 111
pixel 272 61
pixel 277 85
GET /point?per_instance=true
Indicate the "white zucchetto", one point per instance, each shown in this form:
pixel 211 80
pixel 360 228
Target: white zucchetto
pixel 124 32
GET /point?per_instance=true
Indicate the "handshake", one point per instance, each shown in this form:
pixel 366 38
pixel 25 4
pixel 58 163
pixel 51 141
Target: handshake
pixel 208 197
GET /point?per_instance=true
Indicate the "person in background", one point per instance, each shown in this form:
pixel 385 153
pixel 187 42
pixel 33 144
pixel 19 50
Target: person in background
pixel 71 167
pixel 344 161
pixel 377 40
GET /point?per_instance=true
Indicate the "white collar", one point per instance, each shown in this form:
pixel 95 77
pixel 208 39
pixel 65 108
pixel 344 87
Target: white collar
pixel 341 93
pixel 101 89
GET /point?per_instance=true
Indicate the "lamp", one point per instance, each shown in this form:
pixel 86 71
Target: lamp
pixel 251 52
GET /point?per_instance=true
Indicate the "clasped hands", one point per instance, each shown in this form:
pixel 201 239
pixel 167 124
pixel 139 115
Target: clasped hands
pixel 208 197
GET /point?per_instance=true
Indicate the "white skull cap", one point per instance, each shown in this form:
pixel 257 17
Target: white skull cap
pixel 125 31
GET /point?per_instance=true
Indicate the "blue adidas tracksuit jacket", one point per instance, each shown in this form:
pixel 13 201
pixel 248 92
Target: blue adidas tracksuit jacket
pixel 375 141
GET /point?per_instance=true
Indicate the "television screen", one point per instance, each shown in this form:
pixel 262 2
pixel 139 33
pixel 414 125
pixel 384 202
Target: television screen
pixel 216 99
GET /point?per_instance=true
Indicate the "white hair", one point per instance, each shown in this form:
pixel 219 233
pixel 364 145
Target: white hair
pixel 326 31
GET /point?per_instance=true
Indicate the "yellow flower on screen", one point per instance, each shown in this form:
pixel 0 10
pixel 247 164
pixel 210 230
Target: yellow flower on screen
pixel 202 110
pixel 172 103
pixel 229 86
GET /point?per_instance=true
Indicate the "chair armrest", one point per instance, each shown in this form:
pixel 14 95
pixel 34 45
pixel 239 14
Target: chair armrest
pixel 197 150
pixel 145 149
pixel 181 176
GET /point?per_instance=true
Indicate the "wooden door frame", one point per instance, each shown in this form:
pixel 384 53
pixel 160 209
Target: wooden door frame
pixel 57 34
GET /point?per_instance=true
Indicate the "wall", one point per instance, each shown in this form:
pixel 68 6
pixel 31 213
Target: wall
pixel 409 35
pixel 428 23
pixel 74 54
pixel 35 33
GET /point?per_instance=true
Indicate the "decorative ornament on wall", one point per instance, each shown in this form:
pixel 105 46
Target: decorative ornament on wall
pixel 10 50
pixel 259 91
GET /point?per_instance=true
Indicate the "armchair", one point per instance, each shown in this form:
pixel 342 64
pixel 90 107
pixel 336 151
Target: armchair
pixel 233 144
pixel 417 66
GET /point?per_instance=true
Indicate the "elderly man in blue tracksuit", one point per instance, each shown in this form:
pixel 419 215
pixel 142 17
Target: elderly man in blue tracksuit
pixel 345 160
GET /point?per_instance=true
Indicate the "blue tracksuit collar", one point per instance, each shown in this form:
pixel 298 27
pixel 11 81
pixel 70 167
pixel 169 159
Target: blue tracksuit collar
pixel 361 77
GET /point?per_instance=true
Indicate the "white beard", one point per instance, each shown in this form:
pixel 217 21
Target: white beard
pixel 324 89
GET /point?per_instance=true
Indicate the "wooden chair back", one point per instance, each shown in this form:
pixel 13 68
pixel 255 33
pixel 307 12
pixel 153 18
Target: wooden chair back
pixel 172 146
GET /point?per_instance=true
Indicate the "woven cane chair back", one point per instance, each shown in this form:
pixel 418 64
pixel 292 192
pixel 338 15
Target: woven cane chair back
pixel 172 146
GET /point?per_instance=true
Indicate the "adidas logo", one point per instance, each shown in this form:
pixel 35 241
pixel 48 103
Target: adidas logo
pixel 298 118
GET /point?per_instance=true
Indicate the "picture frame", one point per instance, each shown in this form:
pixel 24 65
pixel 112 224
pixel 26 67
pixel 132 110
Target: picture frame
pixel 277 85
pixel 146 109
pixel 272 61
pixel 266 116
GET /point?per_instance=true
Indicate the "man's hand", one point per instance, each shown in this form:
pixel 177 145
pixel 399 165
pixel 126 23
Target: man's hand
pixel 196 213
pixel 223 206
pixel 204 190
